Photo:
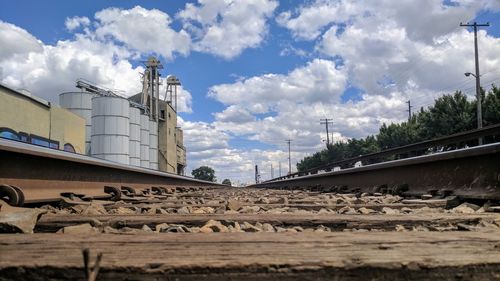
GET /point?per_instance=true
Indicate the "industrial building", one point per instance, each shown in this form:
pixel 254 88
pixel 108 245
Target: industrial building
pixel 26 118
pixel 171 151
pixel 140 131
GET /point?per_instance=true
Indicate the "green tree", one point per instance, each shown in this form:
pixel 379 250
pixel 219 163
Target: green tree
pixel 450 114
pixel 226 182
pixel 204 173
pixel 396 135
pixel 491 107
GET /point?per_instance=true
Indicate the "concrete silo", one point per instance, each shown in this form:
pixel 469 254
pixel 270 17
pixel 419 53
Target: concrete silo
pixel 110 135
pixel 80 103
pixel 135 136
pixel 144 153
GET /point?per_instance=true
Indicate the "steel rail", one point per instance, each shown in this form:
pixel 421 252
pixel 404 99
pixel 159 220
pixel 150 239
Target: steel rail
pixel 42 174
pixel 405 151
pixel 470 173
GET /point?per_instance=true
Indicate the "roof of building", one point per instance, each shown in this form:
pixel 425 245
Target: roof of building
pixel 27 94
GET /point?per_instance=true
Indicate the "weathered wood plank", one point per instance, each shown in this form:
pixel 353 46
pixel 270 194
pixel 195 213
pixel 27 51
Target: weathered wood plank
pixel 262 256
pixel 312 207
pixel 51 223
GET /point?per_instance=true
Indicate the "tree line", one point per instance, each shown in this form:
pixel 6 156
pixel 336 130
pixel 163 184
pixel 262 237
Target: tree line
pixel 450 114
pixel 207 174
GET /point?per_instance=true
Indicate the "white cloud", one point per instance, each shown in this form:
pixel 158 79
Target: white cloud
pixel 48 70
pixel 319 80
pixel 234 114
pixel 75 22
pixel 144 30
pixel 295 103
pixel 387 47
pixel 227 27
pixel 16 41
pixel 379 51
pixel 309 20
pixel 413 50
pixel 422 20
pixel 54 69
pixel 388 51
pixel 209 146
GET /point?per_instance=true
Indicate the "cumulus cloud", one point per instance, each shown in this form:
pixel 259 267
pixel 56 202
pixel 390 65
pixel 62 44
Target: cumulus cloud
pixel 307 22
pixel 208 145
pixel 386 47
pixel 144 30
pixel 75 22
pixel 16 41
pixel 389 53
pixel 391 48
pixel 50 70
pixel 293 104
pixel 234 114
pixel 319 80
pixel 386 51
pixel 227 27
pixel 47 70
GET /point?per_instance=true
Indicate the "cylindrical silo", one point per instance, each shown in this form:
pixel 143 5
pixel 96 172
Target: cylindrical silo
pixel 144 141
pixel 153 145
pixel 135 136
pixel 110 129
pixel 80 103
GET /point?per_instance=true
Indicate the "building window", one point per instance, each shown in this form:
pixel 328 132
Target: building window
pixel 41 141
pixel 169 116
pixel 24 137
pixel 162 114
pixel 10 134
pixel 69 148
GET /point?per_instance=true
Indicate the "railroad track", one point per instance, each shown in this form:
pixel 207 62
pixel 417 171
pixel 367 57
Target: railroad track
pixel 222 233
pixel 472 173
pixel 34 174
pixel 431 216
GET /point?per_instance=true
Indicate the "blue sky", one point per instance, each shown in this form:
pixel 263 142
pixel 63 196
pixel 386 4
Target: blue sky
pixel 256 72
pixel 198 71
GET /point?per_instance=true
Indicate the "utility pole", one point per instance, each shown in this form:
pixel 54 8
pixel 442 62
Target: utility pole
pixel 289 157
pixel 478 82
pixel 409 110
pixel 326 121
pixel 257 176
pixel 280 168
pixel 272 171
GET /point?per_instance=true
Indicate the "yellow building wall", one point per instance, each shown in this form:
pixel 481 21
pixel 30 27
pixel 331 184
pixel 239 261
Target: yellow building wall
pixel 181 150
pixel 68 127
pixel 23 114
pixel 167 147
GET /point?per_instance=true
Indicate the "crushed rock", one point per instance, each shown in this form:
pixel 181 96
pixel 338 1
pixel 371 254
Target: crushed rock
pixel 85 228
pixel 214 226
pixel 366 211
